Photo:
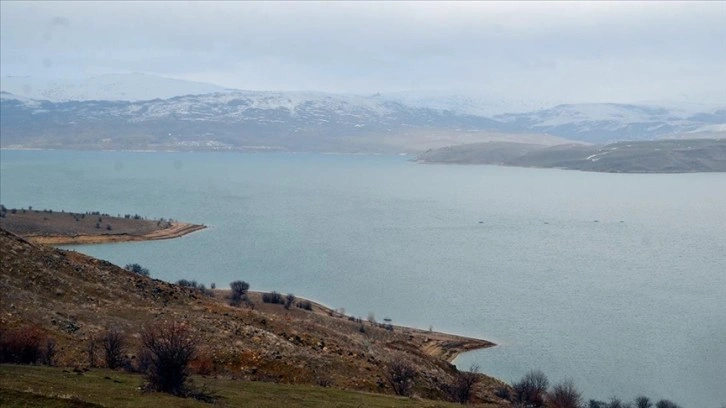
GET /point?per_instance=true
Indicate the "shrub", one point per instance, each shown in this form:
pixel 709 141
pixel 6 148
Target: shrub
pixel 239 292
pixel 91 348
pixel 463 386
pixel 289 299
pixel 192 284
pixel 113 345
pixel 643 402
pixel 502 392
pixel 170 348
pixel 306 305
pixel 22 345
pixel 615 402
pixel 564 395
pixel 666 404
pixel 143 361
pixel 202 365
pixel 187 283
pixel 273 297
pixel 136 268
pixel 323 380
pixel 400 376
pixel 530 391
pixel 240 287
pixel 49 352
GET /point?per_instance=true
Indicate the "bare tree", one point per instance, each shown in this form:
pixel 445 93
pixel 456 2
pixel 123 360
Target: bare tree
pixel 564 395
pixel 91 351
pixel 170 347
pixel 643 402
pixel 289 300
pixel 464 383
pixel 531 390
pixel 400 376
pixel 113 345
pixel 49 352
pixel 239 292
pixel 616 402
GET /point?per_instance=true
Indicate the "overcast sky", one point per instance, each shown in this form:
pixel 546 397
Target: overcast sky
pixel 561 51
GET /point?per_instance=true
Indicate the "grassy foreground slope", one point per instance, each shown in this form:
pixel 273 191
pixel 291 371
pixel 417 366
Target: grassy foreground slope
pixel 29 386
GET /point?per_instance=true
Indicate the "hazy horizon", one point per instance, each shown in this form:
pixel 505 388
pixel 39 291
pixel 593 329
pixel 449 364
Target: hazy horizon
pixel 549 52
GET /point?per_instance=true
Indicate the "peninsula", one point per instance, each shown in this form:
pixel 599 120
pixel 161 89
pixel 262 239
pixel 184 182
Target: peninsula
pixel 93 227
pixel 652 156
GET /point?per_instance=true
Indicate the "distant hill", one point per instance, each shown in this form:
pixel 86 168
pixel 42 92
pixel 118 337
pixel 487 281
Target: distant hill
pixel 662 156
pixel 137 111
pixel 610 122
pixel 239 120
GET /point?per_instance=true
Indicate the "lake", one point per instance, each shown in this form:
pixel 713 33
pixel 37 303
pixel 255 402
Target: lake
pixel 616 281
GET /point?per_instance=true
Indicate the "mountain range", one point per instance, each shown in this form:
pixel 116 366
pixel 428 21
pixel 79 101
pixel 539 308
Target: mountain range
pixel 137 111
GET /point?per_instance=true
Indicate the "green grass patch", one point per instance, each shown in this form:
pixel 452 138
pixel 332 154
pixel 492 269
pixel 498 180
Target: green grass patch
pixel 18 399
pixel 35 386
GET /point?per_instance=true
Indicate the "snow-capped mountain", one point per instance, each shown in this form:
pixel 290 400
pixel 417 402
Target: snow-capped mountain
pixel 465 103
pixel 246 106
pixel 609 122
pixel 316 121
pixel 109 87
pixel 281 120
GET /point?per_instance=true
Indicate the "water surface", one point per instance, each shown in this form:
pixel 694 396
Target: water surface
pixel 616 281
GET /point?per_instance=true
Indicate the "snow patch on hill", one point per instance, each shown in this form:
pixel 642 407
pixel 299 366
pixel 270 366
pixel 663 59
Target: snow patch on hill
pixel 464 104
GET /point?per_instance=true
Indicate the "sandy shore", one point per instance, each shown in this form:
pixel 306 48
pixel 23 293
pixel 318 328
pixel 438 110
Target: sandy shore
pixel 176 230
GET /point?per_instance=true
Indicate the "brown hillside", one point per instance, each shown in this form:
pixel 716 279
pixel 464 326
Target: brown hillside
pixel 58 228
pixel 73 297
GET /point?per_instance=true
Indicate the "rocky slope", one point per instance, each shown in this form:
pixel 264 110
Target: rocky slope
pixel 72 297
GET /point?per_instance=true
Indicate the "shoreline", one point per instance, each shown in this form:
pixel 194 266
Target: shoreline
pixel 177 229
pixel 445 346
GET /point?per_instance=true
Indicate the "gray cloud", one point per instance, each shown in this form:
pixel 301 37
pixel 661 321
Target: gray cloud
pixel 570 51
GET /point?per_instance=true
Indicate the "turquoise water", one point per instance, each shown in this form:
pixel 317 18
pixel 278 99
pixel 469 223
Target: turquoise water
pixel 634 303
